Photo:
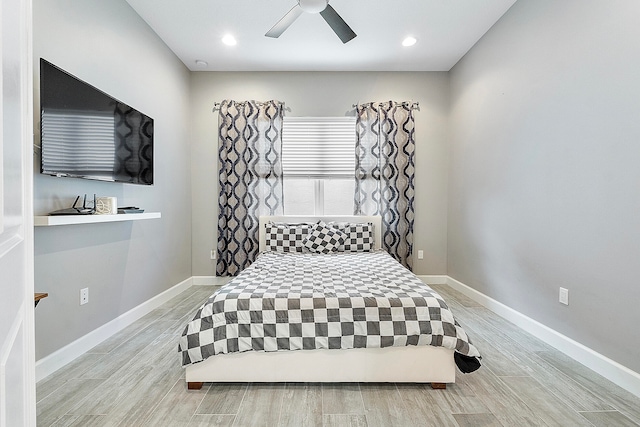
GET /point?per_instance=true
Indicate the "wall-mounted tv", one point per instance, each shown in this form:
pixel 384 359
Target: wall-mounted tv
pixel 85 133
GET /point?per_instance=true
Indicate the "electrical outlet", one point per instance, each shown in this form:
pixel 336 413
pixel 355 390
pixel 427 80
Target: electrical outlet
pixel 564 296
pixel 84 296
pixel 420 254
pixel 213 253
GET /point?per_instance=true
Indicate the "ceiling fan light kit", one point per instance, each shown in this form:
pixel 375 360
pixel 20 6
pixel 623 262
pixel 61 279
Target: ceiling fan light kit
pixel 328 13
pixel 313 6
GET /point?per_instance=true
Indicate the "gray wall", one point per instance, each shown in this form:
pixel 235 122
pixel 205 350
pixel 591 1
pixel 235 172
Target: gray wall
pixel 544 177
pixel 535 139
pixel 123 264
pixel 326 94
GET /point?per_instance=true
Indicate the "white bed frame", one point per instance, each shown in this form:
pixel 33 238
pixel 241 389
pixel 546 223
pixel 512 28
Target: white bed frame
pixel 412 364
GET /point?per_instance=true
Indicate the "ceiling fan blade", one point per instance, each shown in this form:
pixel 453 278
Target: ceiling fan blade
pixel 337 24
pixel 284 23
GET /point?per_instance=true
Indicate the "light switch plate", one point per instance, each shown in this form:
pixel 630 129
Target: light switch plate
pixel 564 296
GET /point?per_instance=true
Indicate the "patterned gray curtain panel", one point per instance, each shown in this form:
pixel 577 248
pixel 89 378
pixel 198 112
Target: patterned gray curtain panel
pixel 250 165
pixel 385 171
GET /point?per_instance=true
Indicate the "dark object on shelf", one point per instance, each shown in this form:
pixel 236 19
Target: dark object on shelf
pixel 130 210
pixel 84 210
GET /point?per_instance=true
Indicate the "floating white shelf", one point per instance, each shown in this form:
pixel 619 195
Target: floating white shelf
pixel 47 220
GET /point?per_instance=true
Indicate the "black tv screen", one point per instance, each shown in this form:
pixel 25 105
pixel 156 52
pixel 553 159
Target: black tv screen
pixel 86 133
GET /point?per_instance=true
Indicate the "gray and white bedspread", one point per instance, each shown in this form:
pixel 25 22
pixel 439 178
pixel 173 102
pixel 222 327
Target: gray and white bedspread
pixel 300 301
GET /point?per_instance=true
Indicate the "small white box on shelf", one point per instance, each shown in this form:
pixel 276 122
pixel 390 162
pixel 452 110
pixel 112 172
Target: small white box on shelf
pixel 106 206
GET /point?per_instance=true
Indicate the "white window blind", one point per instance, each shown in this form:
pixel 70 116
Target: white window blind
pixel 319 147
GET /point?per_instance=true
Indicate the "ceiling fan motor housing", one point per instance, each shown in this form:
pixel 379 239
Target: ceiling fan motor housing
pixel 313 6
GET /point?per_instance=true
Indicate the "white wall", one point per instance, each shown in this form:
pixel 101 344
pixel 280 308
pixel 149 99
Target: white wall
pixel 123 264
pixel 325 94
pixel 544 176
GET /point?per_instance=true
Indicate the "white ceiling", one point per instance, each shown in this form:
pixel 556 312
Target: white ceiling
pixel 445 29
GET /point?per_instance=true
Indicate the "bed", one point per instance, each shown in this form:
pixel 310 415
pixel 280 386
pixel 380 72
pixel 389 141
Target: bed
pixel 296 315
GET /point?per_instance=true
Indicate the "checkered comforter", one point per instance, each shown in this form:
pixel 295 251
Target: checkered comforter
pixel 300 301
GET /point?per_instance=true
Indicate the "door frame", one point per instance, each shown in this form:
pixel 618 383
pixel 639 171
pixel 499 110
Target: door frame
pixel 18 228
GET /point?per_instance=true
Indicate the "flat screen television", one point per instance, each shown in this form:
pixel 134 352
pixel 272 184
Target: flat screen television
pixel 85 133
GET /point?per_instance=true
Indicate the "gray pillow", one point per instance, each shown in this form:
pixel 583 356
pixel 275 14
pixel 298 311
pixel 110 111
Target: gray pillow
pixel 323 239
pixel 358 236
pixel 282 237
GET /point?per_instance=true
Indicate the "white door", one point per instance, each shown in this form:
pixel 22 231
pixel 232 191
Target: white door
pixel 17 364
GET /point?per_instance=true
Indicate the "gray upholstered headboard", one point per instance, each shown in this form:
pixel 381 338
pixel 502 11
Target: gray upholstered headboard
pixel 375 220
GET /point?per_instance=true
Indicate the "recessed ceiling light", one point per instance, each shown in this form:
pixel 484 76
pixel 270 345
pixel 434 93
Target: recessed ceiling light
pixel 229 40
pixel 409 41
pixel 202 64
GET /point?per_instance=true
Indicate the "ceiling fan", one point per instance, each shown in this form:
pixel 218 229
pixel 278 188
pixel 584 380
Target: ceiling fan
pixel 322 7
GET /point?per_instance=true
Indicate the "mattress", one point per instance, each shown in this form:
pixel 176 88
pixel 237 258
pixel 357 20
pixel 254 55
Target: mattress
pixel 305 301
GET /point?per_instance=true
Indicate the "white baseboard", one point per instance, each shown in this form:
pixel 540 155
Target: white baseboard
pixel 610 369
pixel 210 280
pixel 434 279
pixel 51 363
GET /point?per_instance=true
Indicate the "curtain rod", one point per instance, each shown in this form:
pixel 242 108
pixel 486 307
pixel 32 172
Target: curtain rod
pixel 216 105
pixel 413 105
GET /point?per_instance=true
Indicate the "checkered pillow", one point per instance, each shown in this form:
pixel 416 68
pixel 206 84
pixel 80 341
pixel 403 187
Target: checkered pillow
pixel 324 239
pixel 359 237
pixel 281 237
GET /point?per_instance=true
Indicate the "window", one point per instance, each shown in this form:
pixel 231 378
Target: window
pixel 318 162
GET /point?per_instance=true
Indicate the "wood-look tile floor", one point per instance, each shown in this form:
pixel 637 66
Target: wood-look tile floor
pixel 135 379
